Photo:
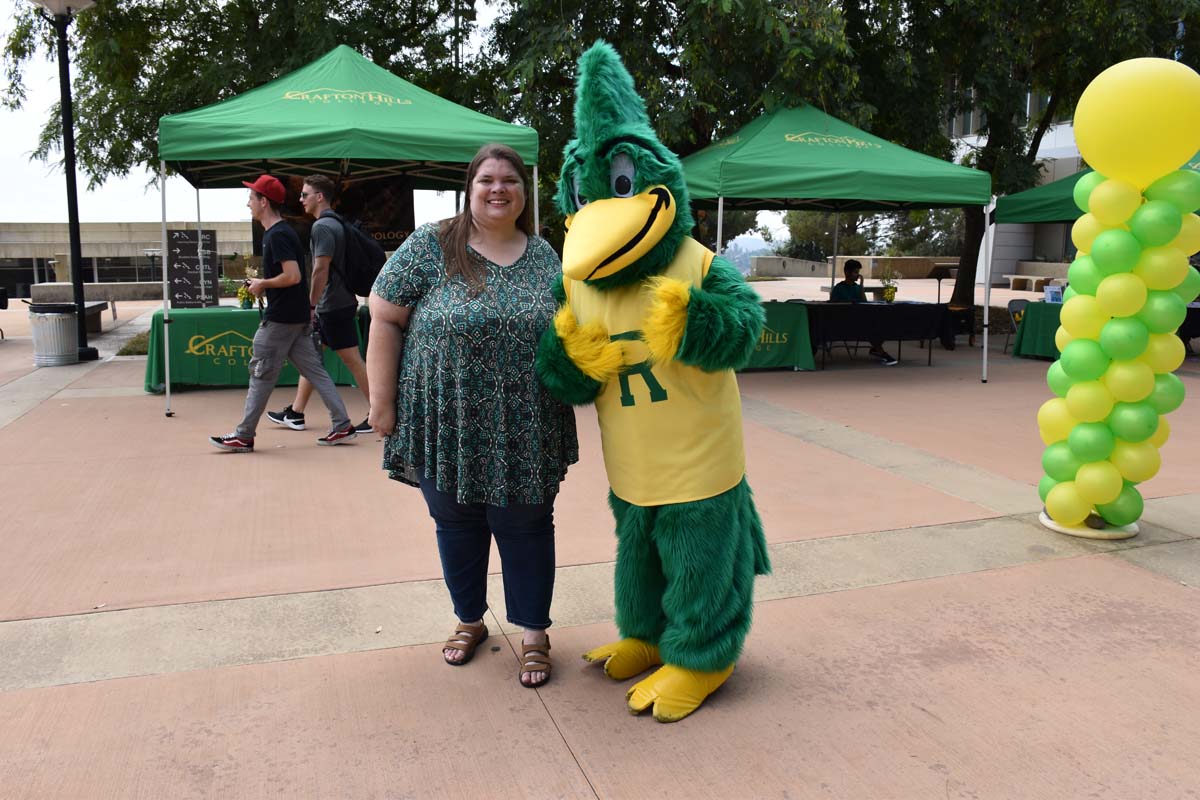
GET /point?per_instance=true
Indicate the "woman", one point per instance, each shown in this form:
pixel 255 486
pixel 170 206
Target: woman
pixel 467 420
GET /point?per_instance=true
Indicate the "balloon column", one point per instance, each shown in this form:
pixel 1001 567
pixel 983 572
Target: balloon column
pixel 1135 124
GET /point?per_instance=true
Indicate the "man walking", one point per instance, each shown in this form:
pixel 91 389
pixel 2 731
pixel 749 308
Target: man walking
pixel 335 306
pixel 285 332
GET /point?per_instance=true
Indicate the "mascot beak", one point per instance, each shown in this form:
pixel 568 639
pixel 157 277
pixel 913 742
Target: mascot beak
pixel 605 236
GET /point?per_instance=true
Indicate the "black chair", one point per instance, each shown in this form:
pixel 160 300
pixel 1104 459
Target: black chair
pixel 1016 312
pixel 3 305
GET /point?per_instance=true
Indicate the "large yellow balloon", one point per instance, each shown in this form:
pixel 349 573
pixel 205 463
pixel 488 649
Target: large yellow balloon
pixel 1066 505
pixel 1088 401
pixel 1188 239
pixel 1083 317
pixel 1120 295
pixel 1164 352
pixel 1054 420
pixel 1162 268
pixel 1099 482
pixel 1114 201
pixel 1129 381
pixel 1161 433
pixel 1137 461
pixel 1139 120
pixel 1084 232
pixel 1062 337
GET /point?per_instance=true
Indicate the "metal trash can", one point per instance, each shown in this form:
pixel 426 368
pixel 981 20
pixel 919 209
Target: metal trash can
pixel 55 334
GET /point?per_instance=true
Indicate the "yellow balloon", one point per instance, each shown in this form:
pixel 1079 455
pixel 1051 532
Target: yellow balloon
pixel 1161 434
pixel 1129 381
pixel 1121 295
pixel 1139 119
pixel 1065 504
pixel 1164 352
pixel 1054 420
pixel 1114 201
pixel 1061 337
pixel 1089 401
pixel 1083 317
pixel 1188 239
pixel 1137 461
pixel 1084 232
pixel 1162 268
pixel 1099 482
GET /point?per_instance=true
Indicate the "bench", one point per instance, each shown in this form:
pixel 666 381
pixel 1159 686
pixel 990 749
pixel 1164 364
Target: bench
pixel 92 312
pixel 1027 283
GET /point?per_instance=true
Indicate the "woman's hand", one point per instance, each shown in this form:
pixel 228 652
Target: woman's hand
pixel 383 421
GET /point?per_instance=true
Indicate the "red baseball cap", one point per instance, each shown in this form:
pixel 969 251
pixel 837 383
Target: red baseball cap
pixel 269 187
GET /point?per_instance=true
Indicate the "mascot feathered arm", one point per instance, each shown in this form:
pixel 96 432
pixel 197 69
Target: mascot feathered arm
pixel 714 327
pixel 574 362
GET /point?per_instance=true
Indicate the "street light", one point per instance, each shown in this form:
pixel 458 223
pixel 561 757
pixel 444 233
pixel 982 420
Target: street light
pixel 60 14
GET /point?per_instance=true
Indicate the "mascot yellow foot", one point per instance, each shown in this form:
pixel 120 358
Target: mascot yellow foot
pixel 625 658
pixel 674 691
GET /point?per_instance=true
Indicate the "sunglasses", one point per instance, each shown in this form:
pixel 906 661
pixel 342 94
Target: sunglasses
pixel 305 195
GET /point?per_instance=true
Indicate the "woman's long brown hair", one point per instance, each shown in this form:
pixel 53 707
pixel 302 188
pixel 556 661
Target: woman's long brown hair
pixel 454 233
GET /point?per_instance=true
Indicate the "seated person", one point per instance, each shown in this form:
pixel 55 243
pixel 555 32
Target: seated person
pixel 850 290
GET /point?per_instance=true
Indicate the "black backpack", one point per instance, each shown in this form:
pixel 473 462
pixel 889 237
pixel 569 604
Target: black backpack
pixel 362 257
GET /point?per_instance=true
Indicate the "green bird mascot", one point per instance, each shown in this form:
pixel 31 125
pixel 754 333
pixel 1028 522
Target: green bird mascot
pixel 651 326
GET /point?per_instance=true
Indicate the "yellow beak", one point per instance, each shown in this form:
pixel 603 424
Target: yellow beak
pixel 606 236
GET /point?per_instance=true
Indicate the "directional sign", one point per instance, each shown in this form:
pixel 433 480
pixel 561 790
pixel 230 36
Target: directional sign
pixel 192 272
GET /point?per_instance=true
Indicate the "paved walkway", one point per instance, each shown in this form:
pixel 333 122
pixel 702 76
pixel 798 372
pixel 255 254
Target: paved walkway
pixel 179 622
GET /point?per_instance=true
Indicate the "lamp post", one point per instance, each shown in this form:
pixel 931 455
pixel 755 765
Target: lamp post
pixel 60 14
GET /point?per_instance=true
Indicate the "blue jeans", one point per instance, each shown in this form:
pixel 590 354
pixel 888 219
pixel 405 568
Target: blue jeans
pixel 525 538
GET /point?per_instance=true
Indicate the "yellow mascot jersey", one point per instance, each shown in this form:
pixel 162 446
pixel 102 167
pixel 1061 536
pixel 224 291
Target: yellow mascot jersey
pixel 671 433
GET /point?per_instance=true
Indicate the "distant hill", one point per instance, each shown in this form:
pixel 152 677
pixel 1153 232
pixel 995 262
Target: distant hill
pixel 743 248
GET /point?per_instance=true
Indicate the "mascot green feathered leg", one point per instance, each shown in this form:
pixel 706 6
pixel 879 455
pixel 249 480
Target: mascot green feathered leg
pixel 651 326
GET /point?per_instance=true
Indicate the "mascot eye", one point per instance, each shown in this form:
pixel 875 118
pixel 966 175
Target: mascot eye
pixel 621 176
pixel 580 202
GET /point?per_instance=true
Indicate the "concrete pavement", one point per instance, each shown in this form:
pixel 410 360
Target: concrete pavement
pixel 175 621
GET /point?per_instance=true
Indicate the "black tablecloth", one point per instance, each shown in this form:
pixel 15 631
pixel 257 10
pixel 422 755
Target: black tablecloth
pixel 886 322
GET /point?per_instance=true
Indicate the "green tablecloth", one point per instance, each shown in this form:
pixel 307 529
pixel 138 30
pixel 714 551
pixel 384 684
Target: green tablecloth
pixel 785 340
pixel 211 347
pixel 1035 334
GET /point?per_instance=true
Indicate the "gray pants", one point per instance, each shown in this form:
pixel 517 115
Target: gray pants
pixel 274 343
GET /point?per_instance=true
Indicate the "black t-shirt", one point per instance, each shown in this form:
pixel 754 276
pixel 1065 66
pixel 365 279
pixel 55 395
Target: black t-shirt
pixel 280 243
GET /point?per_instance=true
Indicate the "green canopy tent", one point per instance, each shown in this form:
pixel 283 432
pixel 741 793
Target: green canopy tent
pixel 1052 202
pixel 802 158
pixel 341 116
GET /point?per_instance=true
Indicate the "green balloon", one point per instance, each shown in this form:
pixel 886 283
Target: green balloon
pixel 1059 462
pixel 1083 189
pixel 1058 380
pixel 1189 289
pixel 1167 394
pixel 1125 509
pixel 1133 422
pixel 1084 276
pixel 1180 188
pixel 1156 223
pixel 1163 312
pixel 1091 441
pixel 1124 338
pixel 1045 485
pixel 1115 250
pixel 1068 293
pixel 1084 360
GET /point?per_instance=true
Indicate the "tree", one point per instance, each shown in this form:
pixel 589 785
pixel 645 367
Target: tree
pixel 812 234
pixel 936 232
pixel 137 60
pixel 705 68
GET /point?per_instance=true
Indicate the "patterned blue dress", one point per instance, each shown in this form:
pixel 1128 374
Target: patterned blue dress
pixel 470 411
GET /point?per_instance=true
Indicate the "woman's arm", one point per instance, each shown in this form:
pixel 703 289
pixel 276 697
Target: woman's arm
pixel 384 345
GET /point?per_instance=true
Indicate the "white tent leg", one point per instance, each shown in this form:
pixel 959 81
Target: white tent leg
pixel 537 220
pixel 200 249
pixel 720 221
pixel 837 224
pixel 987 280
pixel 162 190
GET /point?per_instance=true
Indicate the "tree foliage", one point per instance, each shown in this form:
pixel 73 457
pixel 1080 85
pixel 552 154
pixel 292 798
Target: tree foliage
pixel 812 234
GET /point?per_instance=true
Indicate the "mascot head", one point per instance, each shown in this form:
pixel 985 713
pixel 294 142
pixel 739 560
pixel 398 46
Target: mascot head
pixel 621 190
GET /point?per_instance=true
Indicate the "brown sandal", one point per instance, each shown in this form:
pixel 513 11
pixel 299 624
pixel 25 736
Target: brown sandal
pixel 535 658
pixel 465 639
